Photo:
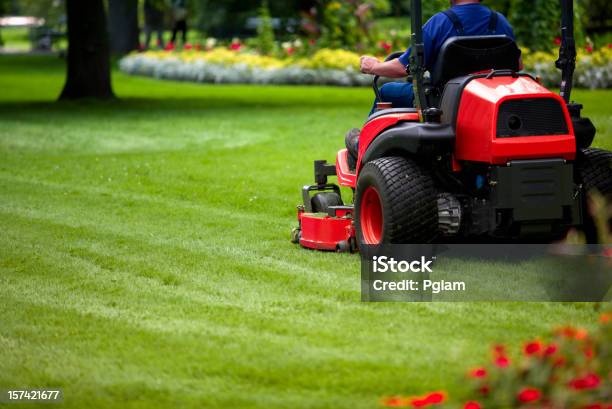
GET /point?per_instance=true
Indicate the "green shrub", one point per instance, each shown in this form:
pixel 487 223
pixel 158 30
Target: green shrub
pixel 265 32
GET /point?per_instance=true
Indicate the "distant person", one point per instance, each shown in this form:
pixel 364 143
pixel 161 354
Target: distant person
pixel 179 14
pixel 154 22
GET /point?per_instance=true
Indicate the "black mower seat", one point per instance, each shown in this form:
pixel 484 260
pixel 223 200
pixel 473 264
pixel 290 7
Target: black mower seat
pixel 460 56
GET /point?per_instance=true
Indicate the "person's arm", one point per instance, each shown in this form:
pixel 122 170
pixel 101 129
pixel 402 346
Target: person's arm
pixel 390 69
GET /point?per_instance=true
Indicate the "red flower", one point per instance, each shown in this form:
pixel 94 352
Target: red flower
pixel 478 373
pixel 527 395
pixel 236 46
pixel 169 46
pixel 566 332
pixel 606 317
pixel 551 349
pixel 557 40
pixel 581 334
pixel 385 46
pixel 594 406
pixel 589 381
pixel 532 348
pixel 588 352
pixel 502 361
pixel 559 362
pixel 418 403
pixel 571 332
pixel 188 46
pixel 472 405
pixel 312 42
pixel 435 397
pixel 290 50
pixel 198 47
pixel 499 350
pixel 484 390
pixel 589 49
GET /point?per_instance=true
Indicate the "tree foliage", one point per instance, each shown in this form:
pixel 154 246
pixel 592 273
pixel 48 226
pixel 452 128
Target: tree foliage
pixel 596 16
pixel 4 7
pixel 349 23
pixel 229 18
pixel 52 11
pixel 536 22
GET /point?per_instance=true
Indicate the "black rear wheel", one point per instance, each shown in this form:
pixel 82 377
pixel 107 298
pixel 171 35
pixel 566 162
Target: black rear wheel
pixel 595 167
pixel 395 202
pixel 595 174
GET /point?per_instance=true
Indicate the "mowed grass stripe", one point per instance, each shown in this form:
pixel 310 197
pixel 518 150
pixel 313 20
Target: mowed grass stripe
pixel 90 300
pixel 203 280
pixel 109 376
pixel 116 281
pixel 145 199
pixel 243 268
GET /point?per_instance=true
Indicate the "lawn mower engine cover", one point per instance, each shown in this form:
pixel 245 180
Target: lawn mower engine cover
pixel 521 138
pixel 506 118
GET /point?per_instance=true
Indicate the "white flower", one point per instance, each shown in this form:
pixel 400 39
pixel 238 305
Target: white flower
pixel 211 42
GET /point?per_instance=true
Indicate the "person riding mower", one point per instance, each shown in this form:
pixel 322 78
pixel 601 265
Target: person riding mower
pixel 487 151
pixel 463 18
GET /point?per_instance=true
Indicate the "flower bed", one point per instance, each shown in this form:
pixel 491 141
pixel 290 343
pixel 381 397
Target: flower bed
pixel 593 68
pixel 325 67
pixel 571 369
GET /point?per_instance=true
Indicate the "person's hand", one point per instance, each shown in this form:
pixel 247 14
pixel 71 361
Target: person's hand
pixel 368 63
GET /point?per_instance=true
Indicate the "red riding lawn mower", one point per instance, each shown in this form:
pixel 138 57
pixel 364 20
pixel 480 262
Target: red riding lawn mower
pixel 488 152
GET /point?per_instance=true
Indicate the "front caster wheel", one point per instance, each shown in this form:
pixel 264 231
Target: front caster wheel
pixel 296 234
pixel 321 202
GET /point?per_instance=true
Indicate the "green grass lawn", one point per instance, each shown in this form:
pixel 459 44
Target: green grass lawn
pixel 16 38
pixel 145 257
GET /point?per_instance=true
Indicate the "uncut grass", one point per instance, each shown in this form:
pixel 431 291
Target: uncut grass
pixel 145 260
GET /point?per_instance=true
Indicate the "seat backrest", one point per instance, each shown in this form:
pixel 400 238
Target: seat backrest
pixel 465 55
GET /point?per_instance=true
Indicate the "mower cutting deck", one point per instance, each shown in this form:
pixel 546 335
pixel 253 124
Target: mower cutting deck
pixel 488 151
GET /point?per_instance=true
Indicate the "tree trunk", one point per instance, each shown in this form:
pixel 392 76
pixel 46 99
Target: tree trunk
pixel 88 74
pixel 123 28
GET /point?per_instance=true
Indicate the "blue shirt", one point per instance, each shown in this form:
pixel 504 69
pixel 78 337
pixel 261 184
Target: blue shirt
pixel 475 19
